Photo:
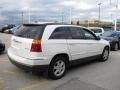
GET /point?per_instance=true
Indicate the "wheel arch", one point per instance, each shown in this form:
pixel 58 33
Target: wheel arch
pixel 61 54
pixel 107 46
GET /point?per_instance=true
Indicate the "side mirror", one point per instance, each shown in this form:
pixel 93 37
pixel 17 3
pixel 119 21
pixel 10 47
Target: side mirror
pixel 98 38
pixel 100 34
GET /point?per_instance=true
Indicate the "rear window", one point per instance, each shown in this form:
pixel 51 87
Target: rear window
pixel 32 32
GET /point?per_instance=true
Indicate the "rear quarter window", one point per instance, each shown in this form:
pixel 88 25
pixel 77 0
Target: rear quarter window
pixel 31 32
pixel 60 33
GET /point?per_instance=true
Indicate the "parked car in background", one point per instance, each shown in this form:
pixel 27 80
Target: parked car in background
pixel 97 30
pixel 110 29
pixel 6 27
pixel 1 28
pixel 12 30
pixel 114 39
pixel 55 47
pixel 2 46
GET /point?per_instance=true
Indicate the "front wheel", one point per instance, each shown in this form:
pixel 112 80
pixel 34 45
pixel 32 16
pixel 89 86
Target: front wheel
pixel 57 68
pixel 105 54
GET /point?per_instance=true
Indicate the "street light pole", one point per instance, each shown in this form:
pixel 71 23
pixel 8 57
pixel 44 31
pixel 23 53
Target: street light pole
pixel 99 4
pixel 62 17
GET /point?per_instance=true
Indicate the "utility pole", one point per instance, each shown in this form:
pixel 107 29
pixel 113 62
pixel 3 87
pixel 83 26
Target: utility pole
pixel 111 15
pixel 1 11
pixel 1 8
pixel 70 15
pixel 88 23
pixel 22 17
pixel 29 15
pixel 99 4
pixel 115 26
pixel 62 16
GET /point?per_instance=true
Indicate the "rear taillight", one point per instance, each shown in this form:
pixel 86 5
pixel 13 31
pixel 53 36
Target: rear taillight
pixel 36 46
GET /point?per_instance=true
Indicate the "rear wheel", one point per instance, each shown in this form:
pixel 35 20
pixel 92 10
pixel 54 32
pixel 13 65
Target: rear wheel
pixel 57 68
pixel 105 54
pixel 116 47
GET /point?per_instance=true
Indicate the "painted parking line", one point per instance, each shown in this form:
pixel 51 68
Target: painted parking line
pixel 116 53
pixel 43 82
pixel 4 60
pixel 10 72
pixel 2 85
pixel 4 57
pixel 31 86
pixel 13 73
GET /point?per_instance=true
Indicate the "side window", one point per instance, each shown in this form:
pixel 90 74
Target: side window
pixel 88 35
pixel 59 33
pixel 76 33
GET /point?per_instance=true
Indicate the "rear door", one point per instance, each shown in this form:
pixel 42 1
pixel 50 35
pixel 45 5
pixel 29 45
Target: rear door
pixel 57 42
pixel 22 40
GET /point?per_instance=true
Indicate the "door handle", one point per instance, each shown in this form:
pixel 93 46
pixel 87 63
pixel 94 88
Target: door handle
pixel 90 43
pixel 72 44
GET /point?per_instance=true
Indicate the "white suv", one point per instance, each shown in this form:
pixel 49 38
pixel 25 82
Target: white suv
pixel 55 47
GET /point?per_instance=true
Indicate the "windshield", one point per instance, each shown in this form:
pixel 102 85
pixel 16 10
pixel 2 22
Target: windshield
pixel 96 30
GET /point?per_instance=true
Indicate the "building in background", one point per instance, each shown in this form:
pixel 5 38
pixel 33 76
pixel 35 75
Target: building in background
pixel 92 22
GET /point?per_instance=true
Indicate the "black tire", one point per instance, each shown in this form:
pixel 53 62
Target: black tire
pixel 103 56
pixel 51 72
pixel 2 48
pixel 116 47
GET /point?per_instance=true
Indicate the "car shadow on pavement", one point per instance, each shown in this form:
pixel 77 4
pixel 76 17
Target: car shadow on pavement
pixel 74 67
pixel 4 52
pixel 82 65
pixel 71 68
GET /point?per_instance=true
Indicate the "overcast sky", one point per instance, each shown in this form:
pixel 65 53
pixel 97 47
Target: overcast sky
pixel 56 9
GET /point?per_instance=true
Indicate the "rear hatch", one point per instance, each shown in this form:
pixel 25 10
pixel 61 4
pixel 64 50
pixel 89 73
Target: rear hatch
pixel 22 41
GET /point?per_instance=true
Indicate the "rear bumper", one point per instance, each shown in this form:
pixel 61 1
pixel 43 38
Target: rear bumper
pixel 29 68
pixel 28 64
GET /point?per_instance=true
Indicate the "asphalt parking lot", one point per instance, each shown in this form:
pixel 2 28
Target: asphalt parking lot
pixel 90 76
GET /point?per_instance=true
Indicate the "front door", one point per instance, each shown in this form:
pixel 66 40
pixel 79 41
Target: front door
pixel 93 46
